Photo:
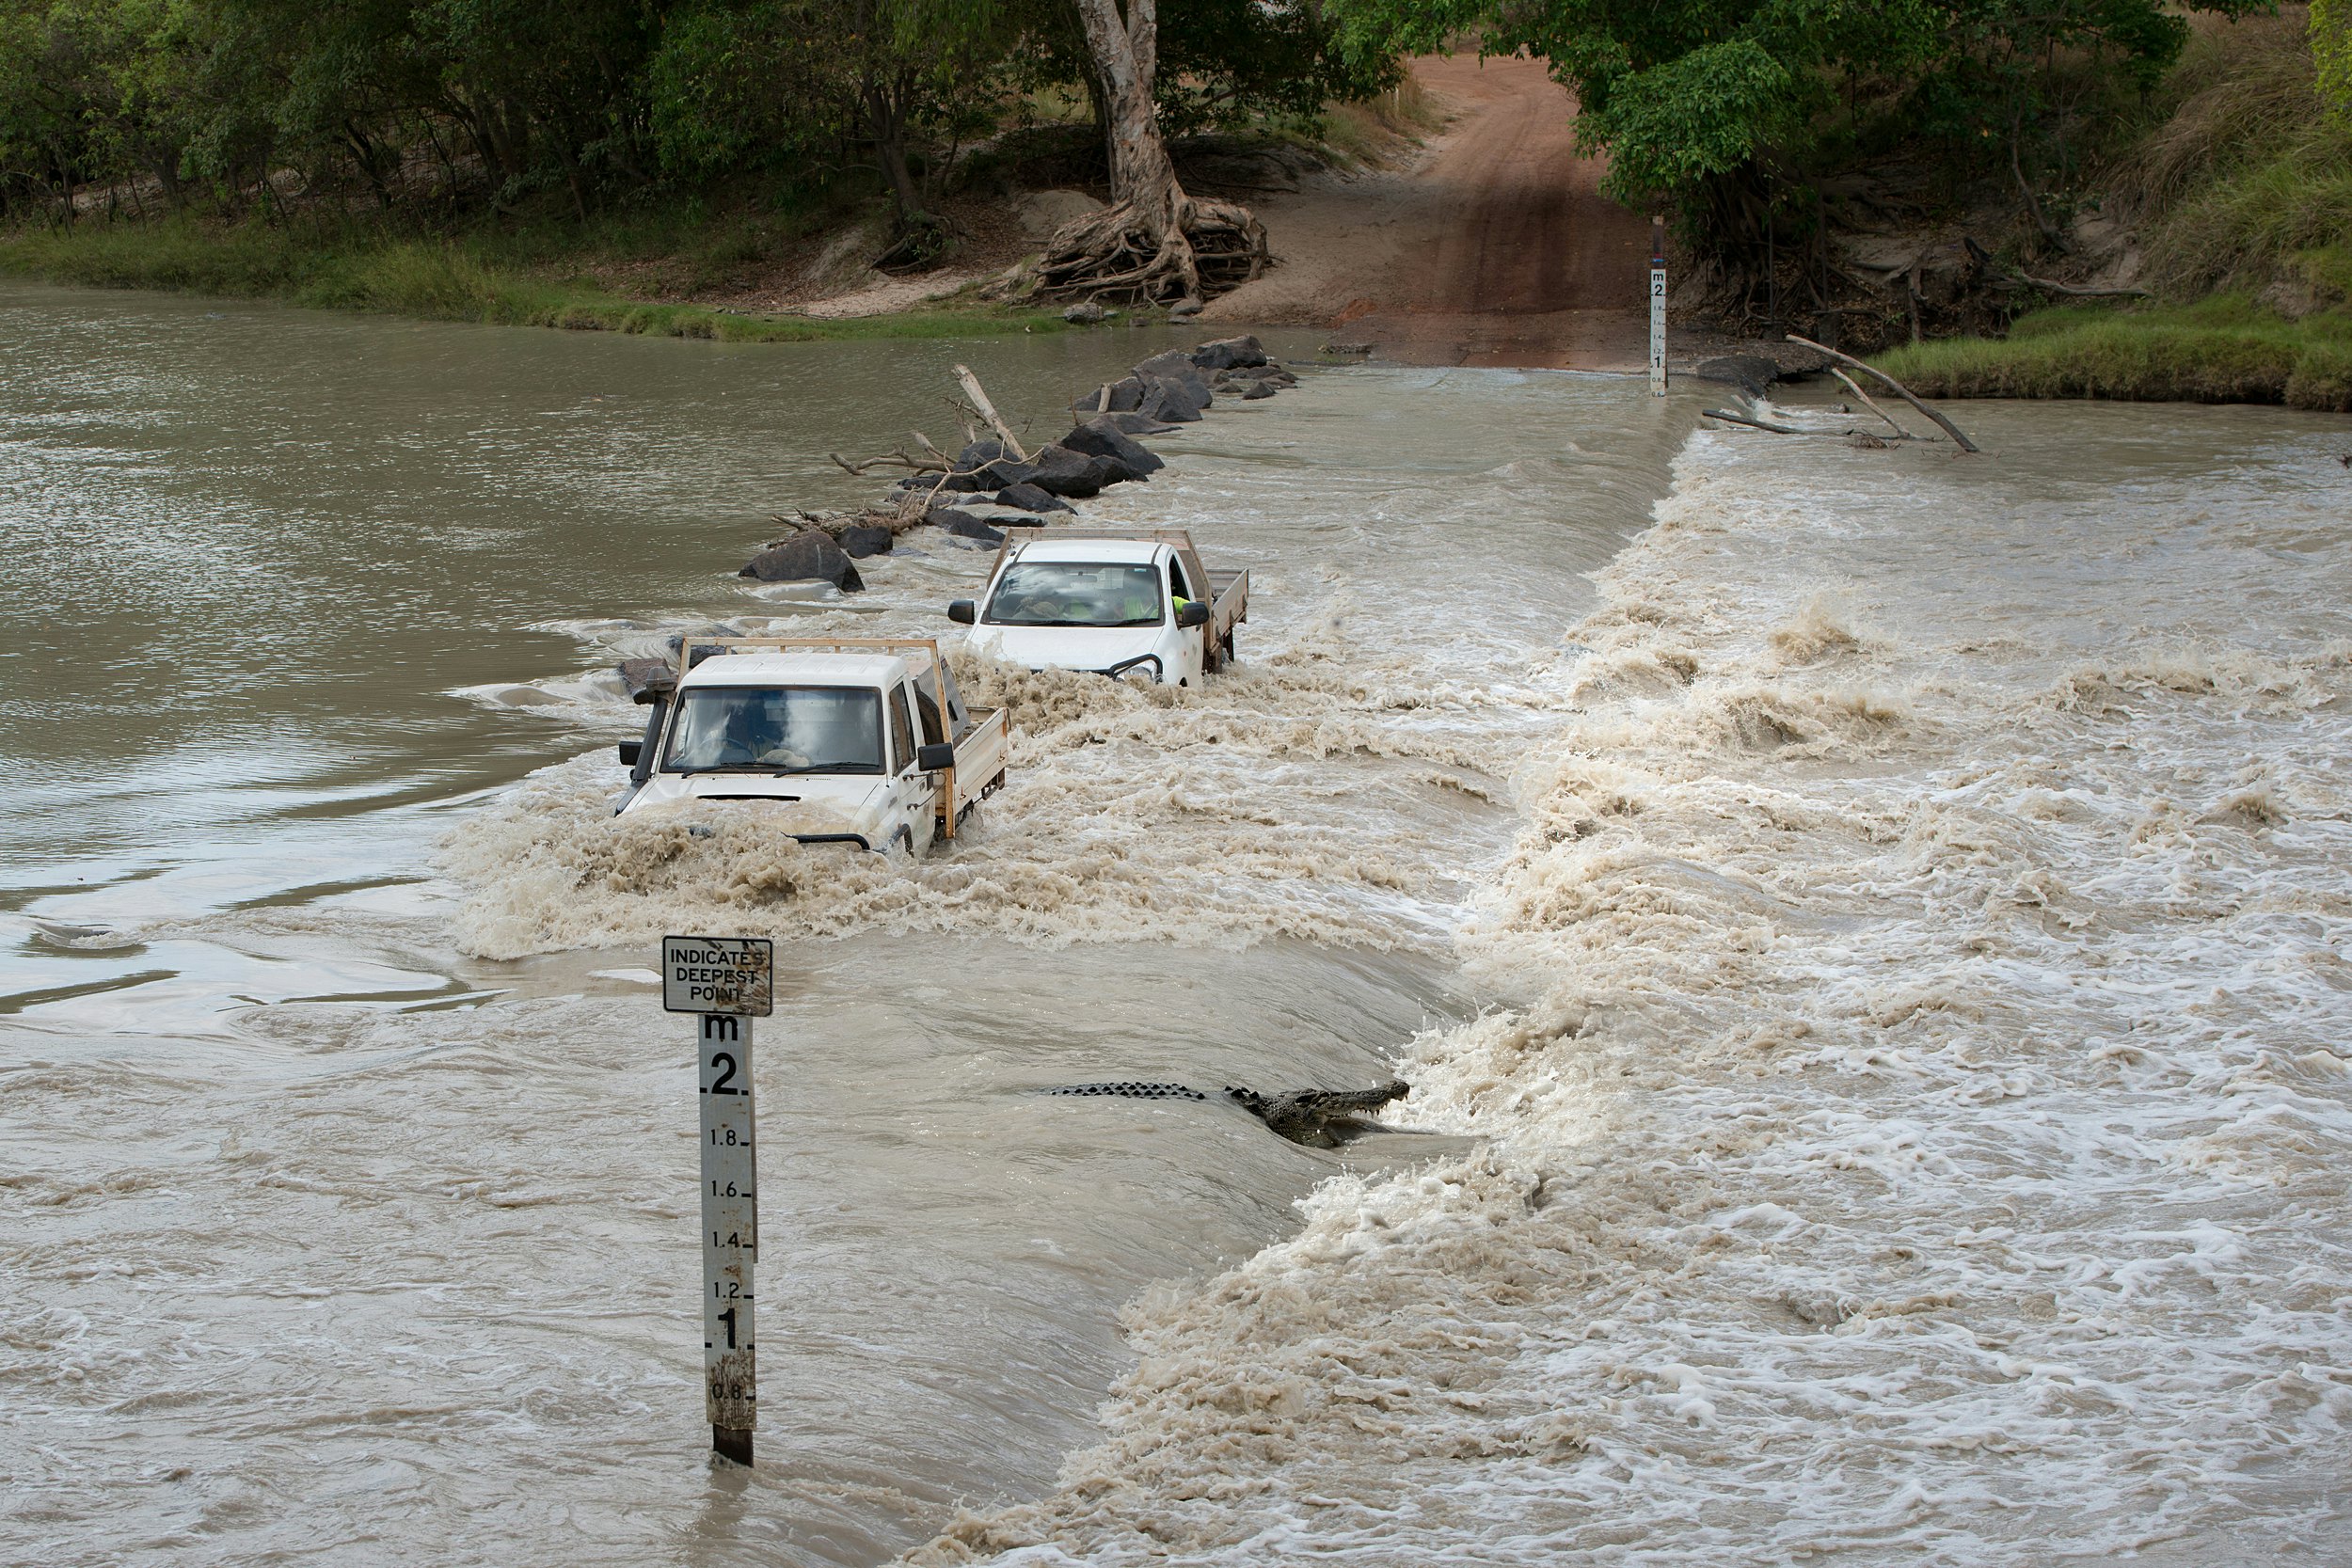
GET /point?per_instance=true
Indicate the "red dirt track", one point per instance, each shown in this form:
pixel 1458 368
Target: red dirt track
pixel 1495 248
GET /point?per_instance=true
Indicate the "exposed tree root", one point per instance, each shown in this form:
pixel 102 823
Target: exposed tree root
pixel 1155 253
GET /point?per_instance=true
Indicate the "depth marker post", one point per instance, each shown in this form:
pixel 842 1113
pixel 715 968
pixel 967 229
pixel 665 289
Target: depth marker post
pixel 1657 307
pixel 729 981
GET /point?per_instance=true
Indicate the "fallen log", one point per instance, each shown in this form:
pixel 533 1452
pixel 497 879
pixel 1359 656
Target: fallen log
pixel 1776 429
pixel 2013 278
pixel 1895 387
pixel 1855 387
pixel 890 459
pixel 972 390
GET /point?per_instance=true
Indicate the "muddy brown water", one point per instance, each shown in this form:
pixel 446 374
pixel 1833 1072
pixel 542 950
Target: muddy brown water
pixel 347 1177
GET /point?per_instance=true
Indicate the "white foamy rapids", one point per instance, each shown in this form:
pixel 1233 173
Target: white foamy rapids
pixel 1290 799
pixel 1920 1130
pixel 1349 784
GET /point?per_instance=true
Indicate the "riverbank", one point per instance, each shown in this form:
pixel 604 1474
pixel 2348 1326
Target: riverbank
pixel 2233 210
pixel 2225 348
pixel 460 280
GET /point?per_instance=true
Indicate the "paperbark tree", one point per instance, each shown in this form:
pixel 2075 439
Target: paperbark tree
pixel 1154 242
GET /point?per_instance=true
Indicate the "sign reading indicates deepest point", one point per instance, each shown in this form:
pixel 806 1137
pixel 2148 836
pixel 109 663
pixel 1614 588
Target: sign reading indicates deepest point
pixel 719 975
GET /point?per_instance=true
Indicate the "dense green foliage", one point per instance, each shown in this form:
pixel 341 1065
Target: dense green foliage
pixel 2332 51
pixel 1726 108
pixel 2246 179
pixel 251 105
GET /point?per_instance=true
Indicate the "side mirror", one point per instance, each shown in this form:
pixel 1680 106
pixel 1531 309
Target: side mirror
pixel 630 751
pixel 1195 613
pixel 935 758
pixel 962 613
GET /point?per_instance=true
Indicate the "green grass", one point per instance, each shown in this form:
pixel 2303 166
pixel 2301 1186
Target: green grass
pixel 2223 349
pixel 508 280
pixel 2242 194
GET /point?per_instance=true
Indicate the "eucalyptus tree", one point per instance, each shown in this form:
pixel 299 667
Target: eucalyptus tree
pixel 1154 241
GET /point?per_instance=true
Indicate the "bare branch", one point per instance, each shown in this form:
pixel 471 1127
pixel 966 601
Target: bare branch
pixel 1855 388
pixel 891 460
pixel 1775 429
pixel 1900 390
pixel 972 390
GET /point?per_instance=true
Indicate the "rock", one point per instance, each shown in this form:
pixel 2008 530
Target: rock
pixel 811 557
pixel 1170 402
pixel 1130 422
pixel 1087 314
pixel 647 679
pixel 1263 390
pixel 1028 498
pixel 1177 366
pixel 1101 439
pixel 1061 471
pixel 1185 310
pixel 963 525
pixel 1125 395
pixel 860 540
pixel 1040 213
pixel 1243 381
pixel 1335 346
pixel 1750 373
pixel 1007 472
pixel 1227 353
pixel 987 466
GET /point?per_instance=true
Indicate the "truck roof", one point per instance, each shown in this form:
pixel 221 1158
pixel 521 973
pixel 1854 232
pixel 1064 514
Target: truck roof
pixel 798 669
pixel 1093 548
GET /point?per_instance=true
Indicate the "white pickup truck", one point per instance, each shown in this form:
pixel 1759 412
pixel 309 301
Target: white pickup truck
pixel 1114 603
pixel 869 733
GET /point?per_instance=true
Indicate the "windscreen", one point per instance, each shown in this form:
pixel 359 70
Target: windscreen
pixel 1076 593
pixel 773 729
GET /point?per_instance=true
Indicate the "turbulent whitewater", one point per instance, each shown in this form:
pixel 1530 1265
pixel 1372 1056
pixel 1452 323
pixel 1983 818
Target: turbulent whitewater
pixel 1916 1107
pixel 1870 950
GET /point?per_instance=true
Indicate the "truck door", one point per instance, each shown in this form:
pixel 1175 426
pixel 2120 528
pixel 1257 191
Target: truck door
pixel 1192 645
pixel 913 794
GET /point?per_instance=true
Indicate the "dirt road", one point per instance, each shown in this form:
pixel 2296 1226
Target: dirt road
pixel 1494 247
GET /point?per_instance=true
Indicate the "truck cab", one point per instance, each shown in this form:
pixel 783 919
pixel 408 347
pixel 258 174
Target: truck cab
pixel 1114 603
pixel 870 736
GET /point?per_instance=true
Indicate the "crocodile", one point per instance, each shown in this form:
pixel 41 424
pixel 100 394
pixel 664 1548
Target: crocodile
pixel 1322 1118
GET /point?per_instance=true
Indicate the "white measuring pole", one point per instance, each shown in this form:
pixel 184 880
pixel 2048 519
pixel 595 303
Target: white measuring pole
pixel 1657 307
pixel 729 981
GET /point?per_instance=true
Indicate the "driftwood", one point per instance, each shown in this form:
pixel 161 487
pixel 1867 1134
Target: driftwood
pixel 933 461
pixel 1895 387
pixel 978 395
pixel 2076 291
pixel 1775 429
pixel 2013 279
pixel 1857 438
pixel 1855 387
pixel 891 460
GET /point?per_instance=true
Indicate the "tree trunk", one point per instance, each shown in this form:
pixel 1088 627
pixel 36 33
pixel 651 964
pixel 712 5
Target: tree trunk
pixel 1154 242
pixel 886 128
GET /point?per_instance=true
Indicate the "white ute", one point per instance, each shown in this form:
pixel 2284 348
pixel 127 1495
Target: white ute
pixel 870 732
pixel 1112 603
